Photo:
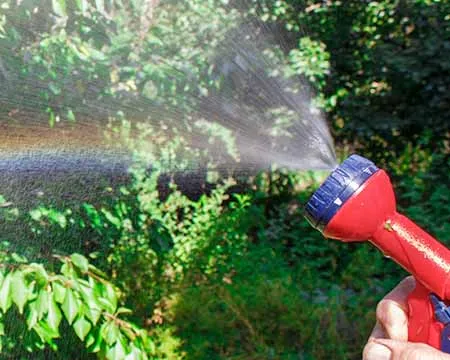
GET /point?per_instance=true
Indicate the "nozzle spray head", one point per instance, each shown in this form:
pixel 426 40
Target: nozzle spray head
pixel 352 201
pixel 342 183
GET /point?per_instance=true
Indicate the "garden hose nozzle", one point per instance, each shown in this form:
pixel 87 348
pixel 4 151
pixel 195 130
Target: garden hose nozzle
pixel 357 202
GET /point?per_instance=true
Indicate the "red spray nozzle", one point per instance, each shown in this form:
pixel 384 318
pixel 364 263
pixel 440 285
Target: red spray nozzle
pixel 355 203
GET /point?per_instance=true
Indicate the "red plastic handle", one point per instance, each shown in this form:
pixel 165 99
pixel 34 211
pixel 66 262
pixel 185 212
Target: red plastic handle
pixel 370 213
pixel 422 325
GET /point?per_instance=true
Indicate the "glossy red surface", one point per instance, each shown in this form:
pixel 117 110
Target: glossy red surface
pixel 422 327
pixel 370 214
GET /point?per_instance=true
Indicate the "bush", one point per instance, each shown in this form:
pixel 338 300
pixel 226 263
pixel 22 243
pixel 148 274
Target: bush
pixel 80 294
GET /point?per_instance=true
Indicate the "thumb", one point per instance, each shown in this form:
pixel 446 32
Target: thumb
pixel 401 350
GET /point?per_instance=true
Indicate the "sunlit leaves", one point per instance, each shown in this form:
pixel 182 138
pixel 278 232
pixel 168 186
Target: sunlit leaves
pixel 80 262
pixel 79 296
pixel 5 295
pixel 399 46
pixel 45 332
pixel 32 317
pixel 59 292
pixel 54 315
pixel 47 216
pixel 311 60
pixel 110 332
pixel 70 115
pixel 70 306
pixel 82 327
pixel 19 290
pixel 52 119
pixel 7 210
pixel 93 215
pixel 116 221
pixel 82 5
pixel 93 307
pixel 42 303
pixel 59 7
pixel 116 352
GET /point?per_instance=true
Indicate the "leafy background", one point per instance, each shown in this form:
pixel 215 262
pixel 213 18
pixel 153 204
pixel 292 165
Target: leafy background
pixel 158 264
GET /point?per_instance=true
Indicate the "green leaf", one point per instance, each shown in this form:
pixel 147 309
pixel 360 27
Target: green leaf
pixel 39 270
pixel 134 354
pixel 19 290
pixel 95 340
pixel 112 219
pixel 54 315
pixel 80 262
pixel 93 309
pixel 112 296
pixel 45 332
pixel 102 297
pixel 67 270
pixel 82 327
pixel 129 333
pixel 51 119
pixel 96 55
pixel 82 6
pixel 32 316
pixel 59 7
pixel 42 302
pixel 18 258
pixel 5 294
pixel 90 339
pixel 117 352
pixel 70 306
pixel 106 304
pixel 59 292
pixel 70 115
pixel 123 310
pixel 94 216
pixel 54 88
pixel 94 313
pixel 110 332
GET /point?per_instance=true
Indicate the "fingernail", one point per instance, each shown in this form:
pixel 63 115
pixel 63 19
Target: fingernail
pixel 377 352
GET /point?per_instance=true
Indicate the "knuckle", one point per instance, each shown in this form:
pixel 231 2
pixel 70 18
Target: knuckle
pixel 383 312
pixel 390 315
pixel 366 351
pixel 374 351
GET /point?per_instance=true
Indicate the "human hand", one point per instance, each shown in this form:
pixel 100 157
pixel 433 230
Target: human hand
pixel 389 338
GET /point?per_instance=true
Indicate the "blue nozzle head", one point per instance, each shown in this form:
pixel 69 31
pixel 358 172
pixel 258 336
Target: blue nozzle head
pixel 340 185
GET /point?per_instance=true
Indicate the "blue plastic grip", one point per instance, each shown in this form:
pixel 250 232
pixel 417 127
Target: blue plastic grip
pixel 340 185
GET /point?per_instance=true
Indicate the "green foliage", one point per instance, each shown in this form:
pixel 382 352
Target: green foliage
pixel 7 211
pixel 276 317
pixel 311 60
pixel 387 58
pixel 86 52
pixel 266 281
pixel 78 293
pixel 156 240
pixel 425 195
pixel 230 270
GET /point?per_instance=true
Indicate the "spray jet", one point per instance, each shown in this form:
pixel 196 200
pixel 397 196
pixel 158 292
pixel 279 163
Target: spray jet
pixel 357 203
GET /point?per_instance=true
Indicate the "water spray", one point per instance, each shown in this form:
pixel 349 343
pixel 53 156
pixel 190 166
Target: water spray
pixel 357 203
